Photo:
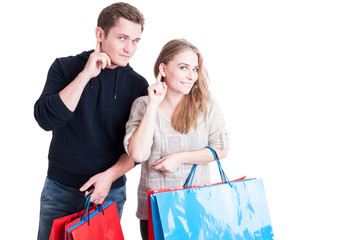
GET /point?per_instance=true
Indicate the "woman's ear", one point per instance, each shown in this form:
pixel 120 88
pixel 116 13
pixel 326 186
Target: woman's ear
pixel 162 69
pixel 99 34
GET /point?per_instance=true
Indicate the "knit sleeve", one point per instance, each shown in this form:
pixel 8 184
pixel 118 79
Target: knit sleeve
pixel 136 114
pixel 49 110
pixel 218 134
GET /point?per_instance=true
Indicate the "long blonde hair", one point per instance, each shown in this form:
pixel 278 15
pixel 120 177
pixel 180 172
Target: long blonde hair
pixel 193 104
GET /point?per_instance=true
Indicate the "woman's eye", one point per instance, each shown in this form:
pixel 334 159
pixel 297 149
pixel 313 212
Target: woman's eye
pixel 183 68
pixel 195 69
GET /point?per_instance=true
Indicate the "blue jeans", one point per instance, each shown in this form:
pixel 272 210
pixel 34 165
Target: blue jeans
pixel 58 200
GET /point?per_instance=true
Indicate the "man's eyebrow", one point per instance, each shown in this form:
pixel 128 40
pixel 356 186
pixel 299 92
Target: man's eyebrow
pixel 123 35
pixel 127 36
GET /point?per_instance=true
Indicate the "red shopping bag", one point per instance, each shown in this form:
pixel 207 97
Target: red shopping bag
pixel 101 224
pixel 58 227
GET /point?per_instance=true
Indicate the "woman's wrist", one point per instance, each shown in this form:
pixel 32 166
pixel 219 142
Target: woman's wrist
pixel 152 107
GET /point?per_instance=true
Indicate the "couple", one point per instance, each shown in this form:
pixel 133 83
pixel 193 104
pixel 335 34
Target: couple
pixel 103 123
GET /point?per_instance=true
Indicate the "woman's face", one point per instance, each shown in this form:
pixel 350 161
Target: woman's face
pixel 182 72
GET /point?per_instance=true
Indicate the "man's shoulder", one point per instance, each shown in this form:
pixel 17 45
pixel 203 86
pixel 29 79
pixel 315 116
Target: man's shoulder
pixel 135 79
pixel 135 75
pixel 74 59
pixel 69 66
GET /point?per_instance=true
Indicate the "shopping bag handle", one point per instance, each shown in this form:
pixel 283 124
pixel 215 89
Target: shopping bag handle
pixel 194 168
pixel 191 176
pixel 86 212
pixel 221 171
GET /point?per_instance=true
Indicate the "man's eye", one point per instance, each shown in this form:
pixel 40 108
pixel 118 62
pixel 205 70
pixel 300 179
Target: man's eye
pixel 121 38
pixel 135 41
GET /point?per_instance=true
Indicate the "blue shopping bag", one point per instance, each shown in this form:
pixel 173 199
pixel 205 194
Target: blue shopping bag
pixel 229 210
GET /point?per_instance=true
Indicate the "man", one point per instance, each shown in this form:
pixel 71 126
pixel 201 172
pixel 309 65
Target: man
pixel 86 103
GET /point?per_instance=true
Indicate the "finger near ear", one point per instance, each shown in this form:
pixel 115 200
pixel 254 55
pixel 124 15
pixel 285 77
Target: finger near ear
pixel 159 77
pixel 97 47
pixel 109 61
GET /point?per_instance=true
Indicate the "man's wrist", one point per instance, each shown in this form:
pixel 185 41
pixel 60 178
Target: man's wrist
pixel 84 77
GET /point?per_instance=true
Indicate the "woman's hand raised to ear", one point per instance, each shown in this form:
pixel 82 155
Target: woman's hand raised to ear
pixel 157 91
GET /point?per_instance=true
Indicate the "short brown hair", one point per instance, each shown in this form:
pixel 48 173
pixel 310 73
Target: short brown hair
pixel 110 15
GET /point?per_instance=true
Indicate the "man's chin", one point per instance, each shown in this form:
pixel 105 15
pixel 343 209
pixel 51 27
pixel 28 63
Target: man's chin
pixel 118 64
pixel 121 63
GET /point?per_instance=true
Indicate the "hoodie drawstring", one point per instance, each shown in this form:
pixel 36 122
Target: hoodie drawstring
pixel 115 84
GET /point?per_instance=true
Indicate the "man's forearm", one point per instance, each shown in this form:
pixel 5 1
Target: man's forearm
pixel 121 167
pixel 71 94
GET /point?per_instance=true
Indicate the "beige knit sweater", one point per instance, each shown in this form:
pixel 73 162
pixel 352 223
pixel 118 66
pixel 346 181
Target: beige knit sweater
pixel 211 131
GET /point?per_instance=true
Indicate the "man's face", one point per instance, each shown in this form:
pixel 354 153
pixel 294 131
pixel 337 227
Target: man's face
pixel 121 42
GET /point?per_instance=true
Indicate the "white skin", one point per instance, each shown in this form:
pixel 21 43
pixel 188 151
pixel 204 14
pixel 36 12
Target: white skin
pixel 179 74
pixel 111 51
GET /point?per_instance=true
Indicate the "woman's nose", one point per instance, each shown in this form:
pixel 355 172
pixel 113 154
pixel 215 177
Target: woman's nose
pixel 192 75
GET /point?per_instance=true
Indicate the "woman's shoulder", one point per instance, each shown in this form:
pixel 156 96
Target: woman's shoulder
pixel 141 100
pixel 139 105
pixel 213 107
pixel 210 104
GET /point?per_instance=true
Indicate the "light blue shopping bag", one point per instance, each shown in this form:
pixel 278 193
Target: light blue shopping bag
pixel 229 210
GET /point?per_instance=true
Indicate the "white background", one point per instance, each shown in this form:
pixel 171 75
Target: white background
pixel 286 74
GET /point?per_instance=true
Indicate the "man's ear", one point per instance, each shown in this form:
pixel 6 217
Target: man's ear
pixel 162 69
pixel 99 34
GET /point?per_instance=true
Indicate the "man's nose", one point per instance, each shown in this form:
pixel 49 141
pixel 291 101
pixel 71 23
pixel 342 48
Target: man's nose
pixel 127 46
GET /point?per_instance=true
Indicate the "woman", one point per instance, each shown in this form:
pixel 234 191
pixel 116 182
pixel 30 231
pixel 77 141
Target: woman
pixel 168 130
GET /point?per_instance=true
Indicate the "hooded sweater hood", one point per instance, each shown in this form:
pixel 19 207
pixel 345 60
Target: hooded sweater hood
pixel 85 56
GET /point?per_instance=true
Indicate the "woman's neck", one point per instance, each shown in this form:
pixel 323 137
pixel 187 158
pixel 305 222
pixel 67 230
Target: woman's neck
pixel 170 103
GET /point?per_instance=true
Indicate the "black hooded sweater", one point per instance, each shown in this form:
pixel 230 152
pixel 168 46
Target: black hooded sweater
pixel 90 139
